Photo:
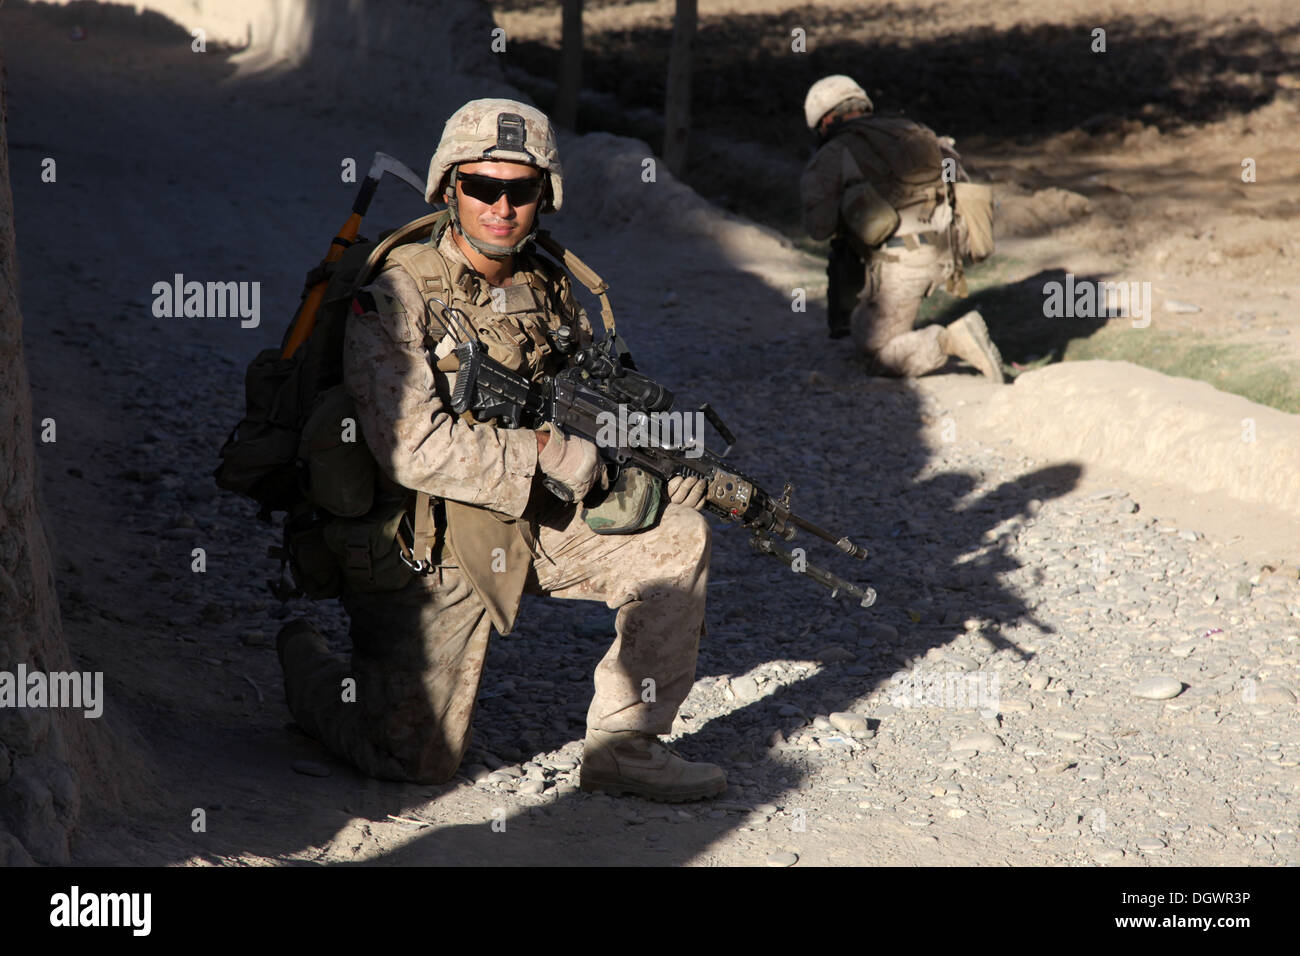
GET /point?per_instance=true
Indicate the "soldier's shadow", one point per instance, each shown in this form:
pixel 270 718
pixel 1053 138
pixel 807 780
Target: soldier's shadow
pixel 1039 316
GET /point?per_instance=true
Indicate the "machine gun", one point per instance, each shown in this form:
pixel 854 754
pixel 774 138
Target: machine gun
pixel 600 393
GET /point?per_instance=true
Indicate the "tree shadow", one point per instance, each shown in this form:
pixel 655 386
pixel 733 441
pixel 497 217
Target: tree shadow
pixel 986 86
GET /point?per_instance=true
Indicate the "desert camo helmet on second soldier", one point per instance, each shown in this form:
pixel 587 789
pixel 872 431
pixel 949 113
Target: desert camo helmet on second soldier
pixel 496 130
pixel 832 91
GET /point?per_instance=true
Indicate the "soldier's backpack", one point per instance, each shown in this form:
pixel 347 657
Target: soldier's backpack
pixel 298 450
pixel 902 169
pixel 902 160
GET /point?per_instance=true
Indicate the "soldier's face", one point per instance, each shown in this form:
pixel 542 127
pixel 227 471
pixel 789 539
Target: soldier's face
pixel 498 222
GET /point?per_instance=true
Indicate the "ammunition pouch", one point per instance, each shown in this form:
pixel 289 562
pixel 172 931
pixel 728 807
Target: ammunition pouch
pixel 631 504
pixel 370 550
pixel 866 215
pixel 315 569
pixel 329 555
pixel 338 473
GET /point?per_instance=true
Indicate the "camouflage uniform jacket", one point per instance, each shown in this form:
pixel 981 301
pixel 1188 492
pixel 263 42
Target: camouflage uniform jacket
pixel 483 474
pixel 908 177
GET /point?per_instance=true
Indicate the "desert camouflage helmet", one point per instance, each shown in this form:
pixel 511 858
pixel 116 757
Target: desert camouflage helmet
pixel 502 131
pixel 828 93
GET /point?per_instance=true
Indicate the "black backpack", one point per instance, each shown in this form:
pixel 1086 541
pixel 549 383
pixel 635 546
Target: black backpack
pixel 277 454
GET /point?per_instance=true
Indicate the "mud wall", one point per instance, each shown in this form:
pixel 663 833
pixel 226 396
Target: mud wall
pixel 41 750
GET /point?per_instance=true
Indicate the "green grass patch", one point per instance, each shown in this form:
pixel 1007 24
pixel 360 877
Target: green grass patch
pixel 1245 370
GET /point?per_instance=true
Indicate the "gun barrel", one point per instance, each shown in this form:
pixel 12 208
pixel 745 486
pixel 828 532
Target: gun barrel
pixel 842 542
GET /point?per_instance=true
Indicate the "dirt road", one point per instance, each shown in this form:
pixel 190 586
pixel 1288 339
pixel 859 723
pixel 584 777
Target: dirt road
pixel 1011 687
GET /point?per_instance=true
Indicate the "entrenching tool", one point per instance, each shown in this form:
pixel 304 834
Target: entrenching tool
pixel 305 320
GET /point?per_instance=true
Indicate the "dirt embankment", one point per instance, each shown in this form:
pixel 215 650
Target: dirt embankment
pixel 1129 163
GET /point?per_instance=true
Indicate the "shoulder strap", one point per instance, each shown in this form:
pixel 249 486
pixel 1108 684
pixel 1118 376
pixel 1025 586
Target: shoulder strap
pixel 413 231
pixel 584 274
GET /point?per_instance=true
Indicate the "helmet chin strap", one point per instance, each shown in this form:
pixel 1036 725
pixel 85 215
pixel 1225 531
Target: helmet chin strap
pixel 486 248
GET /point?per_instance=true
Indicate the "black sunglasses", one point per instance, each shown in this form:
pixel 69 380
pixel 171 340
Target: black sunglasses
pixel 520 192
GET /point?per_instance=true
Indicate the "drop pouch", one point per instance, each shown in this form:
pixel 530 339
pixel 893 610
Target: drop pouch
pixel 867 215
pixel 631 504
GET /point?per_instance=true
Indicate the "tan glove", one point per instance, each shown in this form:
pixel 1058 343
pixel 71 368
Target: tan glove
pixel 687 491
pixel 572 466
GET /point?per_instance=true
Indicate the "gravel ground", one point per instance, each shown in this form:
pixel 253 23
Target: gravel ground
pixel 1049 676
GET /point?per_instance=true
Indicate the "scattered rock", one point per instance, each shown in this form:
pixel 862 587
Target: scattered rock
pixel 881 633
pixel 853 724
pixel 1157 688
pixel 744 687
pixel 978 742
pixel 959 661
pixel 1268 698
pixel 1022 817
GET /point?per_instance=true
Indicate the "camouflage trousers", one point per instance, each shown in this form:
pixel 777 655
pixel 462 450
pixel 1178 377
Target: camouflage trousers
pixel 417 653
pixel 898 280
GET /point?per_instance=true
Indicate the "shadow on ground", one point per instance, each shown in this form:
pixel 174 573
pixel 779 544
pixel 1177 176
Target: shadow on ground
pixel 858 460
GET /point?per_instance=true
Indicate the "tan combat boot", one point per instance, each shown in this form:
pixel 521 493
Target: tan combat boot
pixel 968 339
pixel 627 761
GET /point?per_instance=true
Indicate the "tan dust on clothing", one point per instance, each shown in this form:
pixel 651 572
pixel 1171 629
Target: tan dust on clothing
pixel 418 653
pixel 898 279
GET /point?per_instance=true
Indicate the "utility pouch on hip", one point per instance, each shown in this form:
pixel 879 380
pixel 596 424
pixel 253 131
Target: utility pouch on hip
pixel 313 564
pixel 975 207
pixel 632 504
pixel 369 549
pixel 867 215
pixel 340 472
pixel 258 458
